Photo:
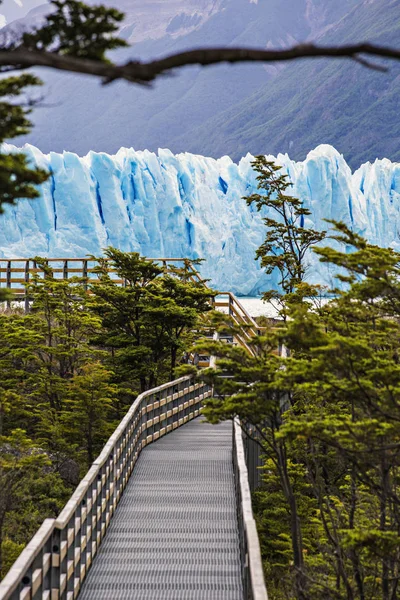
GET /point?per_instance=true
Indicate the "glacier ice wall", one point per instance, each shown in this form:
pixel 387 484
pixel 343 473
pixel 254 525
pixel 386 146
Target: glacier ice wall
pixel 191 206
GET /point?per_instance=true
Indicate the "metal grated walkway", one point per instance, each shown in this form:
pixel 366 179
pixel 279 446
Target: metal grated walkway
pixel 174 535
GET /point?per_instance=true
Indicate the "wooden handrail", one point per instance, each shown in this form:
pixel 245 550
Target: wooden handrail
pixel 16 278
pixel 253 574
pixel 45 568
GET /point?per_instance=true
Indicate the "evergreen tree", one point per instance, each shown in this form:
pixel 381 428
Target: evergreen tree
pixel 326 417
pixel 19 459
pixel 288 239
pixel 88 416
pixel 145 322
pixel 63 325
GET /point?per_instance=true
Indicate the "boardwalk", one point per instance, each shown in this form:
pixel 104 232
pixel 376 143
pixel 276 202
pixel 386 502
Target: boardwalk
pixel 175 533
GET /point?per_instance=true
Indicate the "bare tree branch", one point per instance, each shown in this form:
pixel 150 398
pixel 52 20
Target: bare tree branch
pixel 145 72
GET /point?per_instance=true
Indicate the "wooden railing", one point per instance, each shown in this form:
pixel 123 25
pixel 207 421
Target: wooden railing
pixel 16 274
pixel 251 560
pixel 228 303
pixel 55 562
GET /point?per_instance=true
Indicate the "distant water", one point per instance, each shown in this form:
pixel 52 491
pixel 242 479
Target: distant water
pixel 256 307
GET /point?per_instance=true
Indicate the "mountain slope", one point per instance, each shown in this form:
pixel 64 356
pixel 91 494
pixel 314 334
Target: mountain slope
pixel 340 103
pixel 17 9
pixel 210 111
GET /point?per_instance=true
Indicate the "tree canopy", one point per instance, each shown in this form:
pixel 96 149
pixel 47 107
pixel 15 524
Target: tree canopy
pixel 71 367
pixel 326 418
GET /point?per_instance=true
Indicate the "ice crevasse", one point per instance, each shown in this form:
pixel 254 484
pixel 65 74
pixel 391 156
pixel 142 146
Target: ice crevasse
pixel 166 205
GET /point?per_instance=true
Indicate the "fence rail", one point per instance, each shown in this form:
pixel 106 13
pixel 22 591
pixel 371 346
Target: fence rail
pixel 16 274
pixel 56 561
pixel 252 569
pixel 228 303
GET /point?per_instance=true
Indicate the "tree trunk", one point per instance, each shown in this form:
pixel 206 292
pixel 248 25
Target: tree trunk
pixel 355 561
pixel 173 361
pixel 295 527
pixel 89 445
pixel 143 384
pixel 383 519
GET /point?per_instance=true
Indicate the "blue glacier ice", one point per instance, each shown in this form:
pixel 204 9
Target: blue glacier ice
pixel 190 206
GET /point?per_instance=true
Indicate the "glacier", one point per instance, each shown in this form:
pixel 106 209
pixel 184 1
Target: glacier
pixel 185 205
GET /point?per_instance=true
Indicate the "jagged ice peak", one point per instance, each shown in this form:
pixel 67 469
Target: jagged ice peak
pixel 191 206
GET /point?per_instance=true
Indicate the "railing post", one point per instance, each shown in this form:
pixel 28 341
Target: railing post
pixel 92 516
pixel 55 563
pixel 8 281
pixel 66 553
pixel 252 570
pixel 46 555
pixel 97 504
pixel 65 269
pixel 70 557
pixel 48 275
pixel 26 300
pixel 63 562
pixel 85 273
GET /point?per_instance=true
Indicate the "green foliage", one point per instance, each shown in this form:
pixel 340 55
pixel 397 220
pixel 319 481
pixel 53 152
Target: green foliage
pixel 149 320
pixel 69 369
pixel 89 414
pixel 327 418
pixel 61 325
pixel 287 239
pixel 17 178
pixel 19 460
pixel 10 552
pixel 76 29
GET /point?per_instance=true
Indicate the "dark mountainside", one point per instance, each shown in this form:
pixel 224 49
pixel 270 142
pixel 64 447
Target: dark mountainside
pixel 309 103
pixel 235 110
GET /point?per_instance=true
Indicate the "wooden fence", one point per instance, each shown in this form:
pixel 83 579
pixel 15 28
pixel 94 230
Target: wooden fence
pixel 16 274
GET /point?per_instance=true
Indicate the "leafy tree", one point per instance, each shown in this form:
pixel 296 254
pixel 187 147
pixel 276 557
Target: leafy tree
pixel 76 29
pixel 179 305
pixel 122 310
pixel 146 321
pixel 288 239
pixel 63 325
pixel 253 393
pixel 88 417
pixel 19 459
pixel 351 375
pixel 327 419
pixel 16 340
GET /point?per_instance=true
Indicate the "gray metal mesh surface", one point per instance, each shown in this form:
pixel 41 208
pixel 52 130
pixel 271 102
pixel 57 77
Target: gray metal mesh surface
pixel 174 535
